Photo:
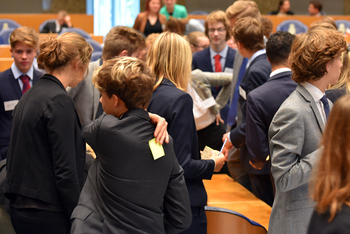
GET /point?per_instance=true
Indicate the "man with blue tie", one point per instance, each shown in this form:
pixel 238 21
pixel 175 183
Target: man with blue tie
pixel 16 80
pixel 238 10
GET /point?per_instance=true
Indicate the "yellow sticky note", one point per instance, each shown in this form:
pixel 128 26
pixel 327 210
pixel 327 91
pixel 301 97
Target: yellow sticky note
pixel 156 149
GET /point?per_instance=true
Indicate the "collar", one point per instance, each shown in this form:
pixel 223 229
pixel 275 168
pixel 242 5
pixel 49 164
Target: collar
pixel 313 90
pixel 136 112
pixel 17 73
pixel 256 54
pixel 222 53
pixel 280 70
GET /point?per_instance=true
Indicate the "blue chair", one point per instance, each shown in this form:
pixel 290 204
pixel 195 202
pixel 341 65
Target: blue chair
pixel 76 30
pixel 198 12
pixel 292 26
pixel 10 23
pixel 96 56
pixel 5 36
pixel 95 45
pixel 226 221
pixel 342 25
pixel 45 22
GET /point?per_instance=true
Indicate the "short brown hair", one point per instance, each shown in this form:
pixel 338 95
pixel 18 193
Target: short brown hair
pixel 122 38
pixel 192 37
pixel 25 35
pixel 241 9
pixel 128 78
pixel 317 5
pixel 249 32
pixel 58 52
pixel 267 26
pixel 175 25
pixel 218 16
pixel 326 22
pixel 312 51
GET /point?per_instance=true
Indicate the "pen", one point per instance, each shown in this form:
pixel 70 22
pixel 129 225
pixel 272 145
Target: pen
pixel 223 145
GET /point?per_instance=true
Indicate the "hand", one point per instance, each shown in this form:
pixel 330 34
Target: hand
pixel 68 21
pixel 218 119
pixel 160 133
pixel 228 145
pixel 218 159
pixel 257 165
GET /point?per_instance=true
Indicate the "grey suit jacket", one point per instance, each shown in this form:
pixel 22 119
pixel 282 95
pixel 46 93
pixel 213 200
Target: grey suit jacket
pixel 86 96
pixel 294 135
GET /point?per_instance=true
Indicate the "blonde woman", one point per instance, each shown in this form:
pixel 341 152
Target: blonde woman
pixel 169 58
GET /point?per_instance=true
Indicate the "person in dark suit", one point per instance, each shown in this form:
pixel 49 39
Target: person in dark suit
pixel 249 35
pixel 262 104
pixel 130 187
pixel 218 57
pixel 24 44
pixel 298 125
pixel 283 9
pixel 330 180
pixel 63 21
pixel 169 58
pixel 46 156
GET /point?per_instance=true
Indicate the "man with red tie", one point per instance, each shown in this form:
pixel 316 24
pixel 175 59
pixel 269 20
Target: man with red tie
pixel 16 80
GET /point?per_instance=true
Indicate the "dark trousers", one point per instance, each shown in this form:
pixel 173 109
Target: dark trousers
pixel 199 221
pixel 36 221
pixel 262 187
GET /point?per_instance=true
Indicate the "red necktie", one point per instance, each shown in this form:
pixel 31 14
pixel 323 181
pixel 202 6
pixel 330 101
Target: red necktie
pixel 26 84
pixel 217 63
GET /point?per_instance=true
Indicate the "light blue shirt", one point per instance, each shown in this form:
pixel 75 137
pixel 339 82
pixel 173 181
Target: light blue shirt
pixel 17 73
pixel 223 55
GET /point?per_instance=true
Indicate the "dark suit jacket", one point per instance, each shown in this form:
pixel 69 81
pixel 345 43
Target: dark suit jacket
pixel 339 225
pixel 51 27
pixel 335 94
pixel 46 157
pixel 256 74
pixel 9 91
pixel 262 104
pixel 176 107
pixel 126 188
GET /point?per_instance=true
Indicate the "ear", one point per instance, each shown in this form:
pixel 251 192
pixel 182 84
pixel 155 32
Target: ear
pixel 124 53
pixel 115 100
pixel 11 51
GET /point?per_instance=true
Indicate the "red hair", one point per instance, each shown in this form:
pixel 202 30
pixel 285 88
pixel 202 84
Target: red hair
pixel 147 5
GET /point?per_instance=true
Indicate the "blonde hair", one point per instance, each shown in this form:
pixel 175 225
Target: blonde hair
pixel 25 35
pixel 241 9
pixel 344 78
pixel 170 57
pixel 56 53
pixel 218 16
pixel 331 179
pixel 128 78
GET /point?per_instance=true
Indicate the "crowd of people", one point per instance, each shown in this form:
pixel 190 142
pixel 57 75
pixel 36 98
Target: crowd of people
pixel 154 101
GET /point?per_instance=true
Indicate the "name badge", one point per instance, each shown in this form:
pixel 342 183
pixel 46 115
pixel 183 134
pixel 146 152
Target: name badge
pixel 242 93
pixel 10 105
pixel 209 102
pixel 228 70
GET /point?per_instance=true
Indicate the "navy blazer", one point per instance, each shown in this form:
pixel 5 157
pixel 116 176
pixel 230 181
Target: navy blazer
pixel 176 107
pixel 9 91
pixel 256 74
pixel 262 104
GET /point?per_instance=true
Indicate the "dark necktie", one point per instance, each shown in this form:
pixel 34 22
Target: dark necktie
pixel 232 113
pixel 26 84
pixel 325 105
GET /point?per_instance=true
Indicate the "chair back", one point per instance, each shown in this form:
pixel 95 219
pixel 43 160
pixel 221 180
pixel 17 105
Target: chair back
pixel 5 36
pixel 198 12
pixel 76 30
pixel 292 26
pixel 8 23
pixel 226 221
pixel 96 55
pixel 97 46
pixel 45 22
pixel 343 25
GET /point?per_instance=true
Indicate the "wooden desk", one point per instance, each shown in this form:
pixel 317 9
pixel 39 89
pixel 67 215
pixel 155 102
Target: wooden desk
pixel 224 192
pixel 5 51
pixel 5 63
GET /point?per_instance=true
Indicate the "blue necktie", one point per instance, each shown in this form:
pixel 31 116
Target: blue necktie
pixel 325 105
pixel 232 113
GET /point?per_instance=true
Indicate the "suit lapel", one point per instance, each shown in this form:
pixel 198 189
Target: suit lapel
pixel 207 60
pixel 14 84
pixel 229 59
pixel 307 96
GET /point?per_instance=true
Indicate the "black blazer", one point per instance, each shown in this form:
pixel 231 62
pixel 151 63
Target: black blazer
pixel 257 73
pixel 262 104
pixel 9 91
pixel 127 189
pixel 51 27
pixel 46 156
pixel 176 107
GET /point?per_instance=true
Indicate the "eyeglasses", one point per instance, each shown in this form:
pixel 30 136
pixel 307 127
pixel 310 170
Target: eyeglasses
pixel 220 30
